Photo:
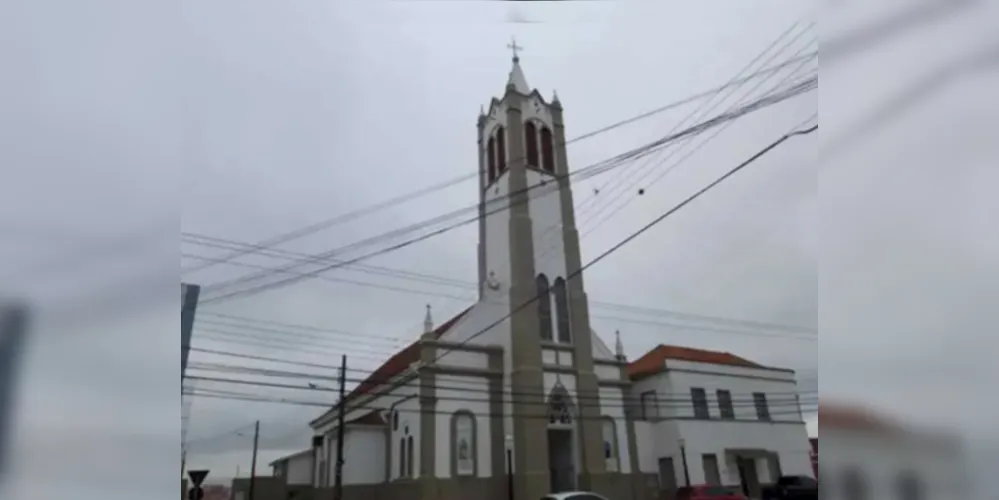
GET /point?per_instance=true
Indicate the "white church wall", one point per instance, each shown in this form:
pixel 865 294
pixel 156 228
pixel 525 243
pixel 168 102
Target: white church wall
pixel 408 427
pixel 364 456
pixel 497 242
pixel 464 359
pixel 534 108
pixel 607 372
pixel 546 220
pixel 612 405
pixel 647 458
pixel 459 393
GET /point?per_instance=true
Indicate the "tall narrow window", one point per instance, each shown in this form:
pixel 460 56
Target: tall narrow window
pixel 610 444
pixel 500 150
pixel 650 405
pixel 492 159
pixel 547 150
pixel 544 308
pixel 463 443
pixel 762 408
pixel 531 143
pixel 562 311
pixel 402 457
pixel 409 457
pixel 725 406
pixel 700 399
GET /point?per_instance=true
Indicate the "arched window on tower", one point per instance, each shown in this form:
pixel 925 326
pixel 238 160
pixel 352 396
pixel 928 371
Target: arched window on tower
pixel 562 311
pixel 500 150
pixel 547 150
pixel 531 143
pixel 492 159
pixel 409 457
pixel 544 308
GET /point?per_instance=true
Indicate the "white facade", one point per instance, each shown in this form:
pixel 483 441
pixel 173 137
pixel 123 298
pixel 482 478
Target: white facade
pixel 669 421
pixel 297 468
pixel 885 462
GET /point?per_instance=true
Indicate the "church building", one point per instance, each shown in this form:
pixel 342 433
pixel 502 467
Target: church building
pixel 518 379
pixel 519 390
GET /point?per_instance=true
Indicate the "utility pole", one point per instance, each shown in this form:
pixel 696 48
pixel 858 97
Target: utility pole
pixel 338 478
pixel 253 464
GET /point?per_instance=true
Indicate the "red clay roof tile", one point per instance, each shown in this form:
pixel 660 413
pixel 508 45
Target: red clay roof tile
pixel 654 361
pixel 400 361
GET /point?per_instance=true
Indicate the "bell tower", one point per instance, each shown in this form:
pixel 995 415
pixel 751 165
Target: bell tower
pixel 529 260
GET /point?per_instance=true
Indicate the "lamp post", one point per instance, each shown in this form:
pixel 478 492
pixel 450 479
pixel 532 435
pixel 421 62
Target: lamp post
pixel 683 457
pixel 509 467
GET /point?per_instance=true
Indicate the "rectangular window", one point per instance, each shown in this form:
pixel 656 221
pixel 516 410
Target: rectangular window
pixel 712 476
pixel 725 406
pixel 762 410
pixel 650 405
pixel 700 400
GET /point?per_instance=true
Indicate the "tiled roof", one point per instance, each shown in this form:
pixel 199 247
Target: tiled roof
pixel 400 361
pixel 654 361
pixel 844 417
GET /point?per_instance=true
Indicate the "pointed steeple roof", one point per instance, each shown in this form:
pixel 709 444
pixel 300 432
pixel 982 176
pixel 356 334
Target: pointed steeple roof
pixel 428 321
pixel 517 79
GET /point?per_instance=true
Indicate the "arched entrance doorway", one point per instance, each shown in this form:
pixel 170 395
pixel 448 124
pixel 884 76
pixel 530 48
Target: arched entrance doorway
pixel 561 440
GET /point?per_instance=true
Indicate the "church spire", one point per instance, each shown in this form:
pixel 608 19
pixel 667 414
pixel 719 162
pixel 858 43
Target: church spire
pixel 618 345
pixel 517 81
pixel 428 322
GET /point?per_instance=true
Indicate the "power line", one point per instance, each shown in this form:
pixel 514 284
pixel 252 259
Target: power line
pixel 648 226
pixel 804 408
pixel 319 226
pixel 611 163
pixel 470 286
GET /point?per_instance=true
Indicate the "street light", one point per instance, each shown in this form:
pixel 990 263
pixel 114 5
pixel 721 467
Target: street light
pixel 683 456
pixel 509 467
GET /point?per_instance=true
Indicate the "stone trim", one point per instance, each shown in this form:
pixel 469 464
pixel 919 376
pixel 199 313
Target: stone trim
pixel 457 346
pixel 621 384
pixel 463 371
pixel 559 346
pixel 571 370
pixel 453 442
pixel 610 362
pixel 497 434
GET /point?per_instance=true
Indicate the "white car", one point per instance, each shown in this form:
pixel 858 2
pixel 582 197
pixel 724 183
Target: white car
pixel 574 495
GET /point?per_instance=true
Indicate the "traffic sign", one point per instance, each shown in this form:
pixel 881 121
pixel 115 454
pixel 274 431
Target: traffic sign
pixel 196 493
pixel 197 476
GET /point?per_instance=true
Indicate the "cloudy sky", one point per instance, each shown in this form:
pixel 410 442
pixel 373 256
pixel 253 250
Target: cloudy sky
pixel 267 118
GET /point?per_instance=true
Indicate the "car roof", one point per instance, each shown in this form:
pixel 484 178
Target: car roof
pixel 567 494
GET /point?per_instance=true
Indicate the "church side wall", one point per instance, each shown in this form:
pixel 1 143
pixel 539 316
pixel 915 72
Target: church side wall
pixel 612 406
pixel 463 394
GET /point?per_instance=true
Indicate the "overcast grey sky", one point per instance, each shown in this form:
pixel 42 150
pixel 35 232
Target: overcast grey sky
pixel 349 108
pixel 269 117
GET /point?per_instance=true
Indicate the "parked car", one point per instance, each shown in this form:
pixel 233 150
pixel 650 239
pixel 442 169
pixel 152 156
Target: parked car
pixel 706 492
pixel 574 495
pixel 793 488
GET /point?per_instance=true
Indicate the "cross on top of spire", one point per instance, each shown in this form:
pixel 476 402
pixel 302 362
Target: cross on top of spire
pixel 514 48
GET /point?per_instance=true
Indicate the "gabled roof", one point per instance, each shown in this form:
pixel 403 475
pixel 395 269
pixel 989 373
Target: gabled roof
pixel 655 360
pixel 399 361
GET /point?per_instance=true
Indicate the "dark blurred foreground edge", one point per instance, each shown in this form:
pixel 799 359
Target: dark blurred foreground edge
pixel 13 327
